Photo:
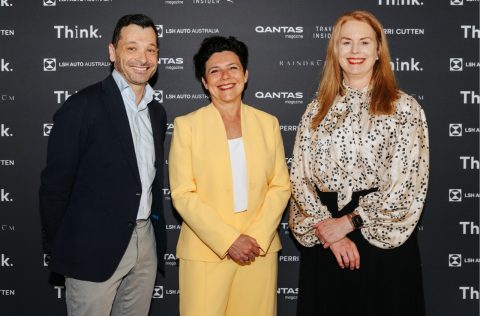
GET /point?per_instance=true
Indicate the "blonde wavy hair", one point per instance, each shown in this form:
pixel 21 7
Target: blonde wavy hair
pixel 384 90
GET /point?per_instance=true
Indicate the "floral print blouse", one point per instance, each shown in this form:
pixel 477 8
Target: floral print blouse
pixel 352 150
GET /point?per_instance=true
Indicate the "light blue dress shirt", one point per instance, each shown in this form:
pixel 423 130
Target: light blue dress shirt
pixel 141 128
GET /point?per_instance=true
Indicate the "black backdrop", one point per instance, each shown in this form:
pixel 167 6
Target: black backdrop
pixel 51 48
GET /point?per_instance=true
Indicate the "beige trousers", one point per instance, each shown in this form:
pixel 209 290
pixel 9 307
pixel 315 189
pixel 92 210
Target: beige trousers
pixel 128 291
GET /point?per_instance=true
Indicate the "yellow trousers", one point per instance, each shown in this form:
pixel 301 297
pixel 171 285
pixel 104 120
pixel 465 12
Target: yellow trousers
pixel 226 288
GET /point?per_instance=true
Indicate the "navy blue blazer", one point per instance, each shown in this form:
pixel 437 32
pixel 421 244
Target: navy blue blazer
pixel 90 189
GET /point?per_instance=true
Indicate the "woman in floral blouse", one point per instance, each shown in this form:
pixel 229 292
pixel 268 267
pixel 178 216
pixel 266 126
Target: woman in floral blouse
pixel 359 175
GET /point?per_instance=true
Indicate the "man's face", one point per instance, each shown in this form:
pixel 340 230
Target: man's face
pixel 136 54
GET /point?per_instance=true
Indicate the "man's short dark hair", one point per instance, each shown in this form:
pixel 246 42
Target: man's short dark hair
pixel 217 44
pixel 137 19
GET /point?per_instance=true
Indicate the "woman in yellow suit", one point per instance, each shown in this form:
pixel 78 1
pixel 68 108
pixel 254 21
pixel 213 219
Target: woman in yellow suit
pixel 230 184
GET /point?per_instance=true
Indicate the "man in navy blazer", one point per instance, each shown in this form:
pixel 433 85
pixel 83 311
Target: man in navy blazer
pixel 101 190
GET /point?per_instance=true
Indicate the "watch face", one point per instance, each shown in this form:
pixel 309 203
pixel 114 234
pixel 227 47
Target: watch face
pixel 357 221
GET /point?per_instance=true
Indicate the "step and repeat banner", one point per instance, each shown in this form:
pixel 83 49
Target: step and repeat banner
pixel 49 49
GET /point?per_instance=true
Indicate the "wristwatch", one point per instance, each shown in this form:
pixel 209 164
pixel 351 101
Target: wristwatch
pixel 356 220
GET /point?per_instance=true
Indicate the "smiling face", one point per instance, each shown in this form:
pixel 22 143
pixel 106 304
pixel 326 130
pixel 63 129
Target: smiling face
pixel 136 55
pixel 357 50
pixel 224 78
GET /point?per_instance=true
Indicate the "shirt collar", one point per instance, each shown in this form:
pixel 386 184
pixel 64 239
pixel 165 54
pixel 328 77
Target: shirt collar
pixel 359 92
pixel 127 91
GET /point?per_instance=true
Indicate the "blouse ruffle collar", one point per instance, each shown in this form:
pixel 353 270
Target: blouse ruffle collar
pixel 345 104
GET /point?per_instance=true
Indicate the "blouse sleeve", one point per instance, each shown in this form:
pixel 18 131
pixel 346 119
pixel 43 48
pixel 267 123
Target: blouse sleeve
pixel 306 210
pixel 391 213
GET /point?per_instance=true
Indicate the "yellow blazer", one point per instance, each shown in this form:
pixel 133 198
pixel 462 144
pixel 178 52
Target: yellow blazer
pixel 202 187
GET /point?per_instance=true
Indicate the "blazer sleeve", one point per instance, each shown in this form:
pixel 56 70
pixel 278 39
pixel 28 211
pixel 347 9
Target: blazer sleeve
pixel 65 143
pixel 198 215
pixel 265 225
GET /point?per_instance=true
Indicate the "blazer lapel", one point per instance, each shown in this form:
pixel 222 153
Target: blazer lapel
pixel 112 99
pixel 248 134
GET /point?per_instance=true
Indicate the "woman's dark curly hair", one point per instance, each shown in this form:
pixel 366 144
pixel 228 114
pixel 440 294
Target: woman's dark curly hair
pixel 217 44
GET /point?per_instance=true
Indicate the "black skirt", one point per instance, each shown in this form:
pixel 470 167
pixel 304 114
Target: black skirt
pixel 388 283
